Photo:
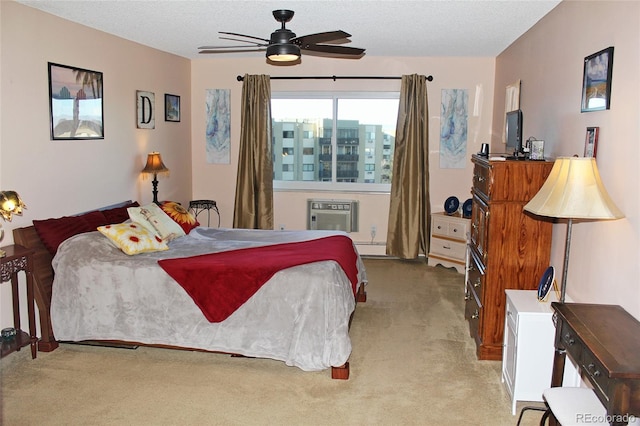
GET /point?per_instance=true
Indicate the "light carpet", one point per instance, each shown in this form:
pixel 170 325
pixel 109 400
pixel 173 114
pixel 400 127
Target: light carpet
pixel 413 363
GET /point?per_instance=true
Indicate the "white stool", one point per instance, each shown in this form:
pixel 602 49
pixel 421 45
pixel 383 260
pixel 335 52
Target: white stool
pixel 575 406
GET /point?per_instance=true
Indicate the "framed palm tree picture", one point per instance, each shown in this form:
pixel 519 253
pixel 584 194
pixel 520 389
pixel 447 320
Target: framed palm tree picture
pixel 75 103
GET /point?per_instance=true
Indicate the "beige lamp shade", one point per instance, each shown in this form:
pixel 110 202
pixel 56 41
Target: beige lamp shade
pixel 574 190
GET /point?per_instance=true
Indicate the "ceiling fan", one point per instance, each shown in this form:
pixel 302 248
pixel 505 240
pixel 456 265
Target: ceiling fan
pixel 285 46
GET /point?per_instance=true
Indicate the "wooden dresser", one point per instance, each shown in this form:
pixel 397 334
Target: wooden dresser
pixel 507 248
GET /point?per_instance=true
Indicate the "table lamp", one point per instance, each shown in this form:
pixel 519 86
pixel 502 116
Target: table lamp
pixel 10 204
pixel 573 191
pixel 155 166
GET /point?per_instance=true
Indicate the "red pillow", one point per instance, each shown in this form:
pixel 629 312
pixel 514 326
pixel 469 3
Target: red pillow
pixel 118 214
pixel 53 232
pixel 180 215
pixel 95 219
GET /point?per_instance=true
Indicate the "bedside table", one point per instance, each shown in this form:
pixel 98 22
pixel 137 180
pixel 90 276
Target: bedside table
pixel 198 206
pixel 18 259
pixel 448 243
pixel 529 333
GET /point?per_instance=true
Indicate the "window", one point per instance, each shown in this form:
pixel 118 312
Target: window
pixel 340 141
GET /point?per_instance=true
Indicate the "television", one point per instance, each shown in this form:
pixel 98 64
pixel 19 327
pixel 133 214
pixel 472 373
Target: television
pixel 513 130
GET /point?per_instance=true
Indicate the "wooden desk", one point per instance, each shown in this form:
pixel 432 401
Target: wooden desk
pixel 604 342
pixel 18 259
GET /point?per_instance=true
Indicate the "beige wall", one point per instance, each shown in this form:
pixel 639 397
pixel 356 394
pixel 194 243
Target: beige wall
pixel 66 177
pixel 218 181
pixel 605 256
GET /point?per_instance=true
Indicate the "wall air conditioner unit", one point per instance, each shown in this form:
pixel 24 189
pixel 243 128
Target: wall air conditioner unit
pixel 334 215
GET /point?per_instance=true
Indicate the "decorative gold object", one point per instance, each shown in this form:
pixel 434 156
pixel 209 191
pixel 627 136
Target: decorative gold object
pixel 10 204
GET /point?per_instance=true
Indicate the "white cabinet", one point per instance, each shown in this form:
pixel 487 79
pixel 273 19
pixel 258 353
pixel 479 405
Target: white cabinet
pixel 448 243
pixel 527 360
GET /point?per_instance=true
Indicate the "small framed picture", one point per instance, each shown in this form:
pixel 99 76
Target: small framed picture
pixel 596 81
pixel 537 150
pixel 591 142
pixel 171 107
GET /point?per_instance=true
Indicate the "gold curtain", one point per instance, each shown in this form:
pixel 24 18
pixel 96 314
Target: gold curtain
pixel 409 211
pixel 254 186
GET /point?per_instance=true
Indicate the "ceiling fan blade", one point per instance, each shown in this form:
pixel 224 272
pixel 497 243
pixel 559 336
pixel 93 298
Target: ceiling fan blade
pixel 334 50
pixel 243 35
pixel 246 41
pixel 231 49
pixel 325 37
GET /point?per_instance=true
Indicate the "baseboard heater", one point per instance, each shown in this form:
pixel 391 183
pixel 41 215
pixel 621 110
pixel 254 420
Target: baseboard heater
pixel 335 215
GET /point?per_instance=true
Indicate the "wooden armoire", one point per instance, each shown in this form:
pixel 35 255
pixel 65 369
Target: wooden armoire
pixel 508 249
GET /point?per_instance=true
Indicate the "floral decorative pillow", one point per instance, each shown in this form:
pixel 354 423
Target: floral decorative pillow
pixel 181 215
pixel 133 238
pixel 156 220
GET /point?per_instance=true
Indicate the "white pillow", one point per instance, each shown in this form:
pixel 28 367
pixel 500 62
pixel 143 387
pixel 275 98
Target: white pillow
pixel 154 219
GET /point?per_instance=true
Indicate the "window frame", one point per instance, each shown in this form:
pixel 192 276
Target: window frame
pixel 280 185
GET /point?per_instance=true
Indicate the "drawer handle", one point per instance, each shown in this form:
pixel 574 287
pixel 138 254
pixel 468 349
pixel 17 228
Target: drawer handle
pixel 595 373
pixel 477 283
pixel 475 315
pixel 569 339
pixel 439 227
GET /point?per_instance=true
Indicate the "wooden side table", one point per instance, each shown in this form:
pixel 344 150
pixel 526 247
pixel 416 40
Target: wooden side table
pixel 18 259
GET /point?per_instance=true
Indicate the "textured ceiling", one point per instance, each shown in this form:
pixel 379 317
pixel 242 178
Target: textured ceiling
pixel 384 28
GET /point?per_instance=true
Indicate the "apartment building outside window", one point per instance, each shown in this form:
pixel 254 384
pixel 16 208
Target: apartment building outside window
pixel 337 141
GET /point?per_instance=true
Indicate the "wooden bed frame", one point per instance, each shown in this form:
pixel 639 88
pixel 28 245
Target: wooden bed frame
pixel 43 282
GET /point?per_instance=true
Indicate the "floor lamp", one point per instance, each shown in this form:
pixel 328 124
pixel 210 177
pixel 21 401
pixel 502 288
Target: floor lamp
pixel 154 166
pixel 573 191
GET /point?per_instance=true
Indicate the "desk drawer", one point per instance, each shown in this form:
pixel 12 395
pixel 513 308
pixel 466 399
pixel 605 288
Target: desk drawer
pixel 595 371
pixel 571 342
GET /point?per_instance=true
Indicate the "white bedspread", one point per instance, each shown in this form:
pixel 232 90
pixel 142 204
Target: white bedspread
pixel 300 316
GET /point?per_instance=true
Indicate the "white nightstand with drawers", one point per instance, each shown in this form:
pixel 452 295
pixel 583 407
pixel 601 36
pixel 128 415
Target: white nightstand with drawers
pixel 527 356
pixel 448 243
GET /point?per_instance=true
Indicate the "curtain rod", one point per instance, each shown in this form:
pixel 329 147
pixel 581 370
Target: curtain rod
pixel 334 78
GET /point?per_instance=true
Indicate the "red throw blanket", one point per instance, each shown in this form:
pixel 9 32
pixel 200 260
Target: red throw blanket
pixel 220 283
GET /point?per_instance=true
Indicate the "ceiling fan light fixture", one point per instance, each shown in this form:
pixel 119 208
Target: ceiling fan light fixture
pixel 283 52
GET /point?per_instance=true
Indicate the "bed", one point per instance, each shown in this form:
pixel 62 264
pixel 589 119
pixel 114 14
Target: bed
pixel 300 315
